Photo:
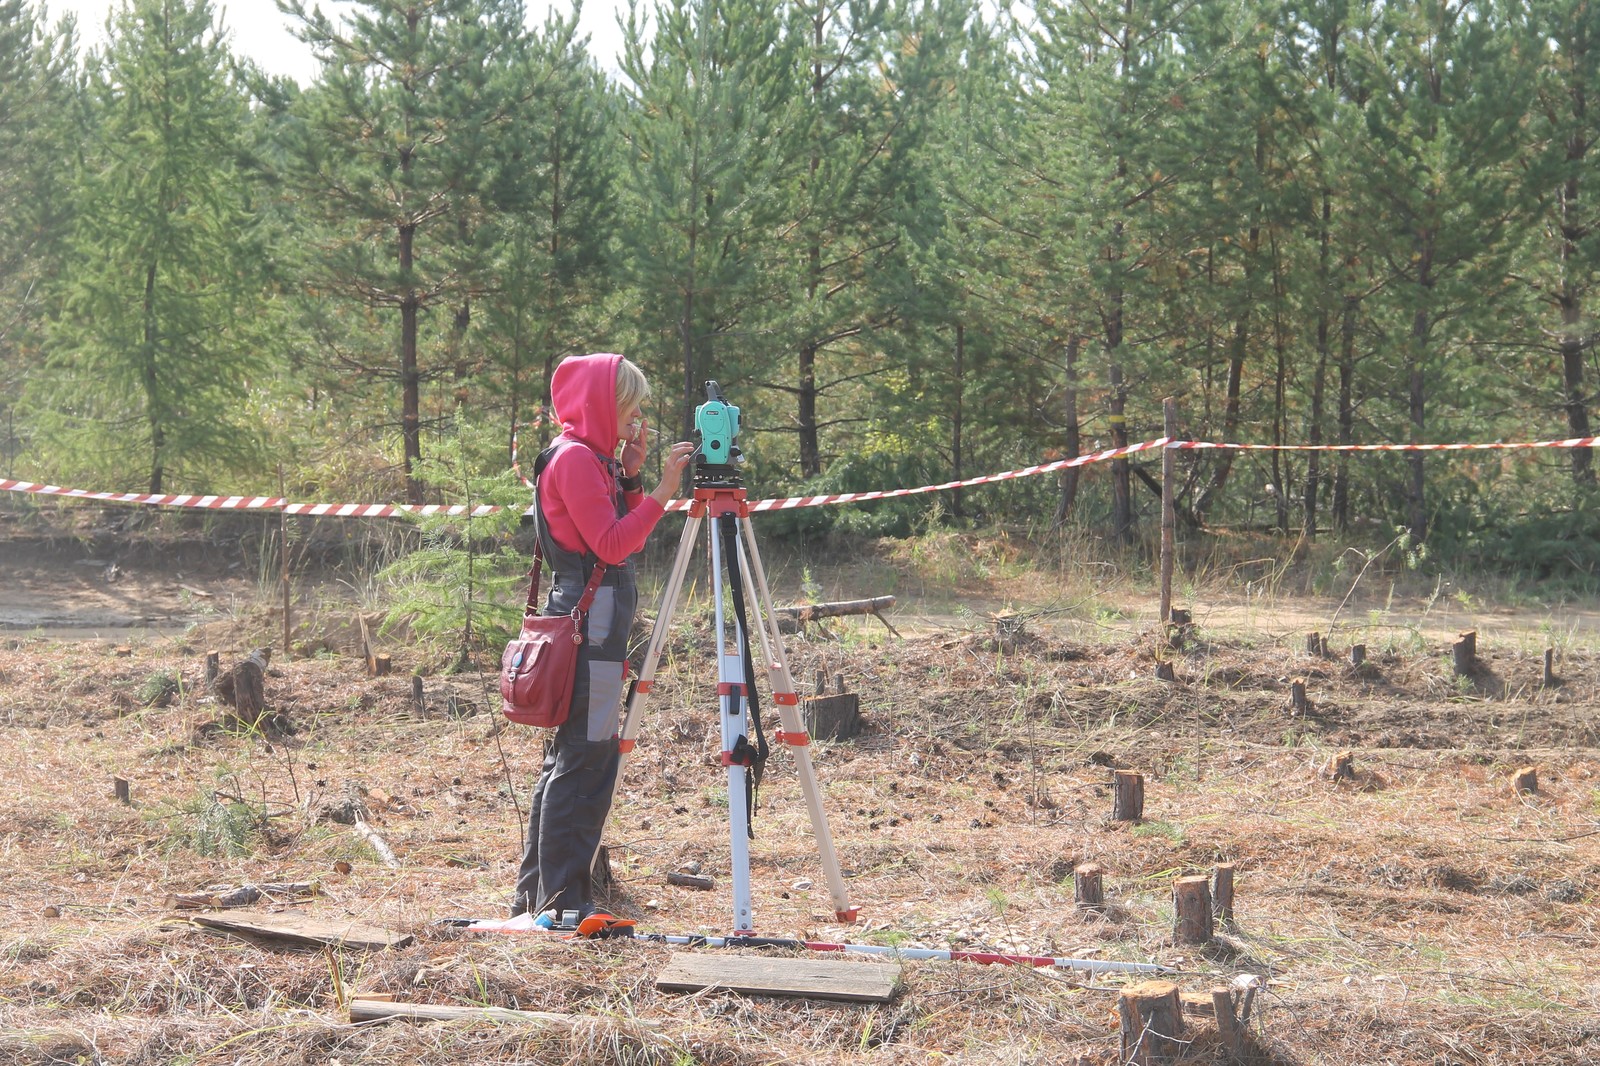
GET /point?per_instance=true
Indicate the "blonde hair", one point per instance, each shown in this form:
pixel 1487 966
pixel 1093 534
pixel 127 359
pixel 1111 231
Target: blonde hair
pixel 632 388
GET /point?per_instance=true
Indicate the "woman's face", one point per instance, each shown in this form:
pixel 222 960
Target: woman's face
pixel 629 421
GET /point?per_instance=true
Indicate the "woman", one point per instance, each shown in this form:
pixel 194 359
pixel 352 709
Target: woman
pixel 589 507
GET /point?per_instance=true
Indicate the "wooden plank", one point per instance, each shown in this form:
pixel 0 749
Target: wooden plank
pixel 300 929
pixel 858 982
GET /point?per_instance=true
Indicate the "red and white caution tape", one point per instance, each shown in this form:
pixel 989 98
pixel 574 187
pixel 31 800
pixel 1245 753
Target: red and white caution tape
pixel 886 494
pixel 224 503
pixel 1570 442
pixel 247 503
pixel 385 510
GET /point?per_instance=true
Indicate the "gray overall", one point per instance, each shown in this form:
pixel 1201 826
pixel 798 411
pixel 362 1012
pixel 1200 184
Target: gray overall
pixel 573 796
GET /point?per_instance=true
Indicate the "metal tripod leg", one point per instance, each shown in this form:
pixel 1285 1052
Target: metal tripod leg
pixel 734 695
pixel 793 734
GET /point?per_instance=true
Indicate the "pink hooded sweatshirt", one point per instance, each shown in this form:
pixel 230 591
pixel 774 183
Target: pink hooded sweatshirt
pixel 577 487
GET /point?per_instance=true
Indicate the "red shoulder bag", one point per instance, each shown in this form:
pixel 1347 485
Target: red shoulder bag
pixel 540 665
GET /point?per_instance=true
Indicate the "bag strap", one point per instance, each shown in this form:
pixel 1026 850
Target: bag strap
pixel 584 601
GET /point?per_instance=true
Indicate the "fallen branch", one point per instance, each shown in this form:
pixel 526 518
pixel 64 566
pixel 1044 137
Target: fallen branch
pixel 373 1010
pixel 379 845
pixel 810 612
pixel 221 896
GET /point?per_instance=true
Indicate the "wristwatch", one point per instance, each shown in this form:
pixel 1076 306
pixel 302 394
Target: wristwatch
pixel 631 484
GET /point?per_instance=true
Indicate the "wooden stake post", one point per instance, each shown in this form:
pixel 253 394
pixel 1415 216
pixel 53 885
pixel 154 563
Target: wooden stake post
pixel 1127 800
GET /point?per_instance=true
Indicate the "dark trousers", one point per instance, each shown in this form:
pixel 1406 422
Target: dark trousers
pixel 573 796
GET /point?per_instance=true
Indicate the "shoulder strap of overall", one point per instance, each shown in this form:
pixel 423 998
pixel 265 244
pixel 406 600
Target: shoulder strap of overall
pixel 540 532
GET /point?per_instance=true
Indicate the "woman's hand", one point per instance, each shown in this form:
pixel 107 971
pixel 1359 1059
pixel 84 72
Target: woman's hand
pixel 672 471
pixel 633 446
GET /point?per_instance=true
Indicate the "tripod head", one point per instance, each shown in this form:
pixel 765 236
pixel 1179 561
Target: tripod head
pixel 718 458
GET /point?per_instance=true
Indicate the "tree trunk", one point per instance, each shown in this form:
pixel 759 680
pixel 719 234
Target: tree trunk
pixel 410 377
pixel 1069 412
pixel 1121 487
pixel 152 386
pixel 1347 413
pixel 960 373
pixel 1416 505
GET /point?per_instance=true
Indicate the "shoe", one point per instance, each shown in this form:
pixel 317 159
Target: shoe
pixel 565 922
pixel 603 926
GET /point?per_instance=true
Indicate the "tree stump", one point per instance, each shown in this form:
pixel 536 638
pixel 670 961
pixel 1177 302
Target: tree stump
pixel 835 716
pixel 1222 892
pixel 244 687
pixel 1549 667
pixel 1150 1017
pixel 1464 652
pixel 1526 780
pixel 213 659
pixel 1127 796
pixel 1180 623
pixel 1343 767
pixel 1297 697
pixel 1088 890
pixel 419 702
pixel 1165 671
pixel 1358 654
pixel 1191 910
pixel 1230 1033
pixel 1316 645
pixel 381 665
pixel 122 790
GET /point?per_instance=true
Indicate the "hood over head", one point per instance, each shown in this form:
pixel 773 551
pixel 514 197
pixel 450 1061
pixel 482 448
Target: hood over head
pixel 583 392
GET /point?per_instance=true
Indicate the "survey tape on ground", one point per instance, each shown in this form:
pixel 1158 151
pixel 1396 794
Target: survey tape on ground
pixel 385 510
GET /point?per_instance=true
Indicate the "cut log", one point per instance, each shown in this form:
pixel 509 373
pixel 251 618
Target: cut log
pixel 1150 1019
pixel 1191 910
pixel 1127 796
pixel 810 612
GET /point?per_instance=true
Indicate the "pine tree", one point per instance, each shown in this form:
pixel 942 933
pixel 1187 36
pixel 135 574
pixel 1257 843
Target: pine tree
pixel 1568 270
pixel 1445 92
pixel 152 355
pixel 393 152
pixel 709 95
pixel 39 98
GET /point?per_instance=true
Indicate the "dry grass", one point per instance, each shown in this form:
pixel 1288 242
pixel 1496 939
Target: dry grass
pixel 1419 913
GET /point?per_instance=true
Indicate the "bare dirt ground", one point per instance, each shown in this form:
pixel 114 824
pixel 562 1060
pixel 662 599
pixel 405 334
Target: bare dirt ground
pixel 1417 910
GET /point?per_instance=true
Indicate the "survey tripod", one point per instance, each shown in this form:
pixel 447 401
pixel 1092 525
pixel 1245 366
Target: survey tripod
pixel 719 496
